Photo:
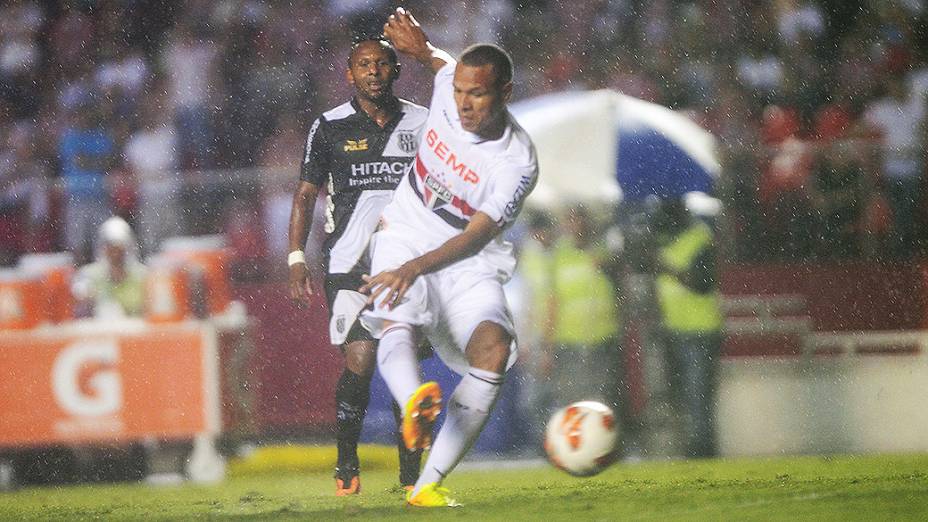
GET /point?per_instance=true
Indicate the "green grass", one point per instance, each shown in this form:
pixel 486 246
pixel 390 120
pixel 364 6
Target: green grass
pixel 808 488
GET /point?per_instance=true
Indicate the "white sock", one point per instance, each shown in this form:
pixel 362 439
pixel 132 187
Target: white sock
pixel 467 411
pixel 396 359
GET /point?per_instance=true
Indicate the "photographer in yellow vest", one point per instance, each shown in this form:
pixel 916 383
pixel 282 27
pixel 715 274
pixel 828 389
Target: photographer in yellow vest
pixel 686 287
pixel 577 309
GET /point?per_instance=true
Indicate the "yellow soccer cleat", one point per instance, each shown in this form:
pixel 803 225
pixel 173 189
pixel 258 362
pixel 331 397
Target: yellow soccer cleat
pixel 431 495
pixel 421 411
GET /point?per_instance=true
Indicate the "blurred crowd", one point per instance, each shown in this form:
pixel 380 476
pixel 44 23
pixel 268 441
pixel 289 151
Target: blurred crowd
pixel 190 117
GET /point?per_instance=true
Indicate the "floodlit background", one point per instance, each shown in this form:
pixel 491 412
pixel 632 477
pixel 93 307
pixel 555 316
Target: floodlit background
pixel 799 123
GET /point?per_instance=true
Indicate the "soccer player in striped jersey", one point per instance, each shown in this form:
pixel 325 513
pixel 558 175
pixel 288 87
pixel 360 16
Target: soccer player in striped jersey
pixel 438 260
pixel 358 152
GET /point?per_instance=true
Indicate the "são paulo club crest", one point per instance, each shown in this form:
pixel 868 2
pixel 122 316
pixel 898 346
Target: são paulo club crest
pixel 407 142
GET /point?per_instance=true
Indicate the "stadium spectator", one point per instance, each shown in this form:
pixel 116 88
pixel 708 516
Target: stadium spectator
pixel 190 59
pixel 71 39
pixel 87 153
pixel 899 119
pixel 783 187
pixel 233 67
pixel 837 193
pixel 113 285
pixel 688 299
pixel 150 155
pixel 21 22
pixel 24 194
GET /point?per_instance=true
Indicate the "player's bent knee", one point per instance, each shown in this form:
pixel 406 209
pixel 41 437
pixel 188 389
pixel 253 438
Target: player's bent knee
pixel 488 348
pixel 360 357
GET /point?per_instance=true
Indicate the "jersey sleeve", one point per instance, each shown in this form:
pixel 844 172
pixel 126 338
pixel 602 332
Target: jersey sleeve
pixel 316 165
pixel 444 79
pixel 510 189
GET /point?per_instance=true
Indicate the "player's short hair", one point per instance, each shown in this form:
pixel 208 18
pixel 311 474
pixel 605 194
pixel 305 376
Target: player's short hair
pixel 357 40
pixel 489 54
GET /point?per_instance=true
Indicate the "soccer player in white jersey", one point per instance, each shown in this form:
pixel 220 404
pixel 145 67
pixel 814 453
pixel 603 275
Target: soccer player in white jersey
pixel 438 259
pixel 360 151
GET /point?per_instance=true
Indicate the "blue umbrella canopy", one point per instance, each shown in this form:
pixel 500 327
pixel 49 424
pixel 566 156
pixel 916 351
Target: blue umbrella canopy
pixel 661 152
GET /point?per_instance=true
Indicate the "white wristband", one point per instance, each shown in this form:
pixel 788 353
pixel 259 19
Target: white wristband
pixel 297 256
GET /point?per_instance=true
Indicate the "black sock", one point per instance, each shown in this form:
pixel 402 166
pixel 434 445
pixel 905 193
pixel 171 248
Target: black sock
pixel 352 395
pixel 409 460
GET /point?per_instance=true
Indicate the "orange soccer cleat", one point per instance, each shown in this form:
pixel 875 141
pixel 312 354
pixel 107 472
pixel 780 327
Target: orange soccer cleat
pixel 347 482
pixel 421 411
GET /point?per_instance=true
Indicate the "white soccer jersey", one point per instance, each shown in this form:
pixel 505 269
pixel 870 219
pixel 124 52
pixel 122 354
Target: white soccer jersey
pixel 456 174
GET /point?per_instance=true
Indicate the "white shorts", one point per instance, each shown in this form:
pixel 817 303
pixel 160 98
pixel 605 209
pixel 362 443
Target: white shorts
pixel 448 305
pixel 345 309
pixel 345 305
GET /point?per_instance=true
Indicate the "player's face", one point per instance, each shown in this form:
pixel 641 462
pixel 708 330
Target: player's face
pixel 372 71
pixel 480 100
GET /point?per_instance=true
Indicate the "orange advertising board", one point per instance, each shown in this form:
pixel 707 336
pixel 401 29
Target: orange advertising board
pixel 21 303
pixel 74 388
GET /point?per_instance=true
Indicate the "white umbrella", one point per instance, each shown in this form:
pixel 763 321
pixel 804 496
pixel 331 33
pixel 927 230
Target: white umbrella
pixel 580 135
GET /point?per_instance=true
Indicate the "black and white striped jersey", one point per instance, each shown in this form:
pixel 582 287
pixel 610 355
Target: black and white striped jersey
pixel 360 163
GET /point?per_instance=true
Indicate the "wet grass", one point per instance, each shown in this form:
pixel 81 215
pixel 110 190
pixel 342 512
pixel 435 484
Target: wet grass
pixel 808 488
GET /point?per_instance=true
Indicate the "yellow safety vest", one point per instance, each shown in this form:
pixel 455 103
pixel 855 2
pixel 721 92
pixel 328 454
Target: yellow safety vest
pixel 683 309
pixel 587 306
pixel 588 312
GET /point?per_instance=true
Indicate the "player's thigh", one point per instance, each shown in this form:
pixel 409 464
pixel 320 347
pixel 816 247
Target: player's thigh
pixel 345 328
pixel 390 251
pixel 476 315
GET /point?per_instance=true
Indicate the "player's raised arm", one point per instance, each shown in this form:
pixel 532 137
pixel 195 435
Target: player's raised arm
pixel 407 36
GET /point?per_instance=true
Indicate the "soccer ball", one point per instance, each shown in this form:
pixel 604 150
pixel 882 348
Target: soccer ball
pixel 582 438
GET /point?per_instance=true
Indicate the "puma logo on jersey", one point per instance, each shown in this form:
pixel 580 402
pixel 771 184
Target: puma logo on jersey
pixel 445 154
pixel 355 145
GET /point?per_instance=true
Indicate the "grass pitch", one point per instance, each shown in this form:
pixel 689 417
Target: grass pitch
pixel 808 488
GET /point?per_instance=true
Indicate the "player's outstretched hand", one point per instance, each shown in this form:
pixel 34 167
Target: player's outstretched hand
pixel 407 36
pixel 301 287
pixel 392 284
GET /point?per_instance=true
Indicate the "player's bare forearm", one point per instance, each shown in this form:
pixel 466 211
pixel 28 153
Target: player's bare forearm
pixel 407 36
pixel 437 59
pixel 480 231
pixel 301 220
pixel 301 215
